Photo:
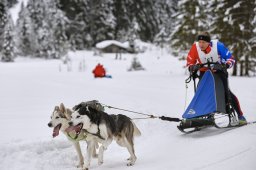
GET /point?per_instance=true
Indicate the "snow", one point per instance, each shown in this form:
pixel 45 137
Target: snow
pixel 30 88
pixel 237 5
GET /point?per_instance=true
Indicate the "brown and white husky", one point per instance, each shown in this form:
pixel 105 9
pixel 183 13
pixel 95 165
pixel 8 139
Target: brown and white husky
pixel 60 122
pixel 104 128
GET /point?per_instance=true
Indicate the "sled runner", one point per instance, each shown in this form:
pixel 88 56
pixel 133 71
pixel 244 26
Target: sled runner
pixel 208 106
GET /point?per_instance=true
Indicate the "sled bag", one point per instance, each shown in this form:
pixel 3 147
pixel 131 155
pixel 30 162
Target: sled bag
pixel 209 97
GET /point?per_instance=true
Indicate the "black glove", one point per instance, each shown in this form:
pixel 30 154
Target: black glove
pixel 218 67
pixel 228 65
pixel 193 68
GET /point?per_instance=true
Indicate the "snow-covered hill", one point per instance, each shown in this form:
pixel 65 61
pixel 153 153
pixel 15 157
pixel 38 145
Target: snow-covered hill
pixel 30 88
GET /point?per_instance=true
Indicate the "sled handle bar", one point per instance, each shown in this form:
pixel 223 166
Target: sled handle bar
pixel 209 64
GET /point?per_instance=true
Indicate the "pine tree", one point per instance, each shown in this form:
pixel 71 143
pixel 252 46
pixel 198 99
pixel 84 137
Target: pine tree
pixel 24 33
pixel 41 30
pixel 245 10
pixel 61 43
pixel 237 31
pixel 221 29
pixel 11 3
pixel 101 21
pixel 3 20
pixel 45 48
pixel 145 15
pixel 8 46
pixel 36 13
pixel 76 12
pixel 252 40
pixel 57 23
pixel 190 20
pixel 123 19
pixel 165 9
pixel 94 21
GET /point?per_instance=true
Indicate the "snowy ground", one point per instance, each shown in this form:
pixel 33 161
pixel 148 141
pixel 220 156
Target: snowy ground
pixel 30 89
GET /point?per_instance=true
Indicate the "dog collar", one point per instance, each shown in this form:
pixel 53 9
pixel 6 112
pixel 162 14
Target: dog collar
pixel 77 137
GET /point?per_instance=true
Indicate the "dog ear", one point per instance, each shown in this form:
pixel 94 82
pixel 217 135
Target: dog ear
pixel 62 108
pixel 76 107
pixel 91 109
pixel 68 114
pixel 56 108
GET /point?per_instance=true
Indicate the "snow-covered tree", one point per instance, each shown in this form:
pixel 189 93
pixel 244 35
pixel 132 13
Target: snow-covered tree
pixel 244 28
pixel 101 21
pixel 41 30
pixel 8 45
pixel 190 20
pixel 3 20
pixel 136 65
pixel 90 21
pixel 11 3
pixel 77 11
pixel 25 35
pixel 61 43
pixel 57 23
pixel 234 26
pixel 93 21
pixel 165 10
pixel 145 15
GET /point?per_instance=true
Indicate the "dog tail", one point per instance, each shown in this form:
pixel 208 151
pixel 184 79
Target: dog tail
pixel 136 131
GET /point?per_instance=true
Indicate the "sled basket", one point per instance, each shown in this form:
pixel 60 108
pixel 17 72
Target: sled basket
pixel 209 97
pixel 196 123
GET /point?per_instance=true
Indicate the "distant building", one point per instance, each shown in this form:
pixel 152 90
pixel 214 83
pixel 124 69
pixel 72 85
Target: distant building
pixel 113 46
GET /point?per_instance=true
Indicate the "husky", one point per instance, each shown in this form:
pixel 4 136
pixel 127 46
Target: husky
pixel 60 122
pixel 104 128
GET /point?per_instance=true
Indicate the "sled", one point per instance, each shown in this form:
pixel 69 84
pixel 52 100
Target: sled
pixel 208 106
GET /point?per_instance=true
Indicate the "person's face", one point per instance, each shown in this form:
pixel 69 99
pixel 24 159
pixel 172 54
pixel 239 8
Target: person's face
pixel 203 44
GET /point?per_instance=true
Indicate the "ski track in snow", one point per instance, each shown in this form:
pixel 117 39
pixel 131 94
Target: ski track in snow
pixel 226 158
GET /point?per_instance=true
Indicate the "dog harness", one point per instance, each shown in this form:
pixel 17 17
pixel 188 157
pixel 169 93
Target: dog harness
pixel 77 137
pixel 96 134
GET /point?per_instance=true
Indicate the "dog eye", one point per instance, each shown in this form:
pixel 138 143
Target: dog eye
pixel 57 117
pixel 77 116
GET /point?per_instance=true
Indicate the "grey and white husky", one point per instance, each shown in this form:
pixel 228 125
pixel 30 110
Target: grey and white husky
pixel 104 128
pixel 59 122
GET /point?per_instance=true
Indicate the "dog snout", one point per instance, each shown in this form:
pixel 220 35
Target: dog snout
pixel 70 123
pixel 50 124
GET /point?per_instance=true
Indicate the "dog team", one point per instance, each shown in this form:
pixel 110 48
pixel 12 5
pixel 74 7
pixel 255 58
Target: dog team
pixel 88 122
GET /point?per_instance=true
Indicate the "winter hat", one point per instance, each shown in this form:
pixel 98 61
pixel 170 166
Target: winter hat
pixel 206 38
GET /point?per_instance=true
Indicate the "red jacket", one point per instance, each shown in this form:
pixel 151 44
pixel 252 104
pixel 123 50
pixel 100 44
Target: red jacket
pixel 99 71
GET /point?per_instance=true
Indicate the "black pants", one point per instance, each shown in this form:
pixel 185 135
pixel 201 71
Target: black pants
pixel 230 98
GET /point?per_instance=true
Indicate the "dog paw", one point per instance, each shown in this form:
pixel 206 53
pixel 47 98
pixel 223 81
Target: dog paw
pixel 85 168
pixel 86 165
pixel 80 166
pixel 130 164
pixel 95 155
pixel 100 162
pixel 131 160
